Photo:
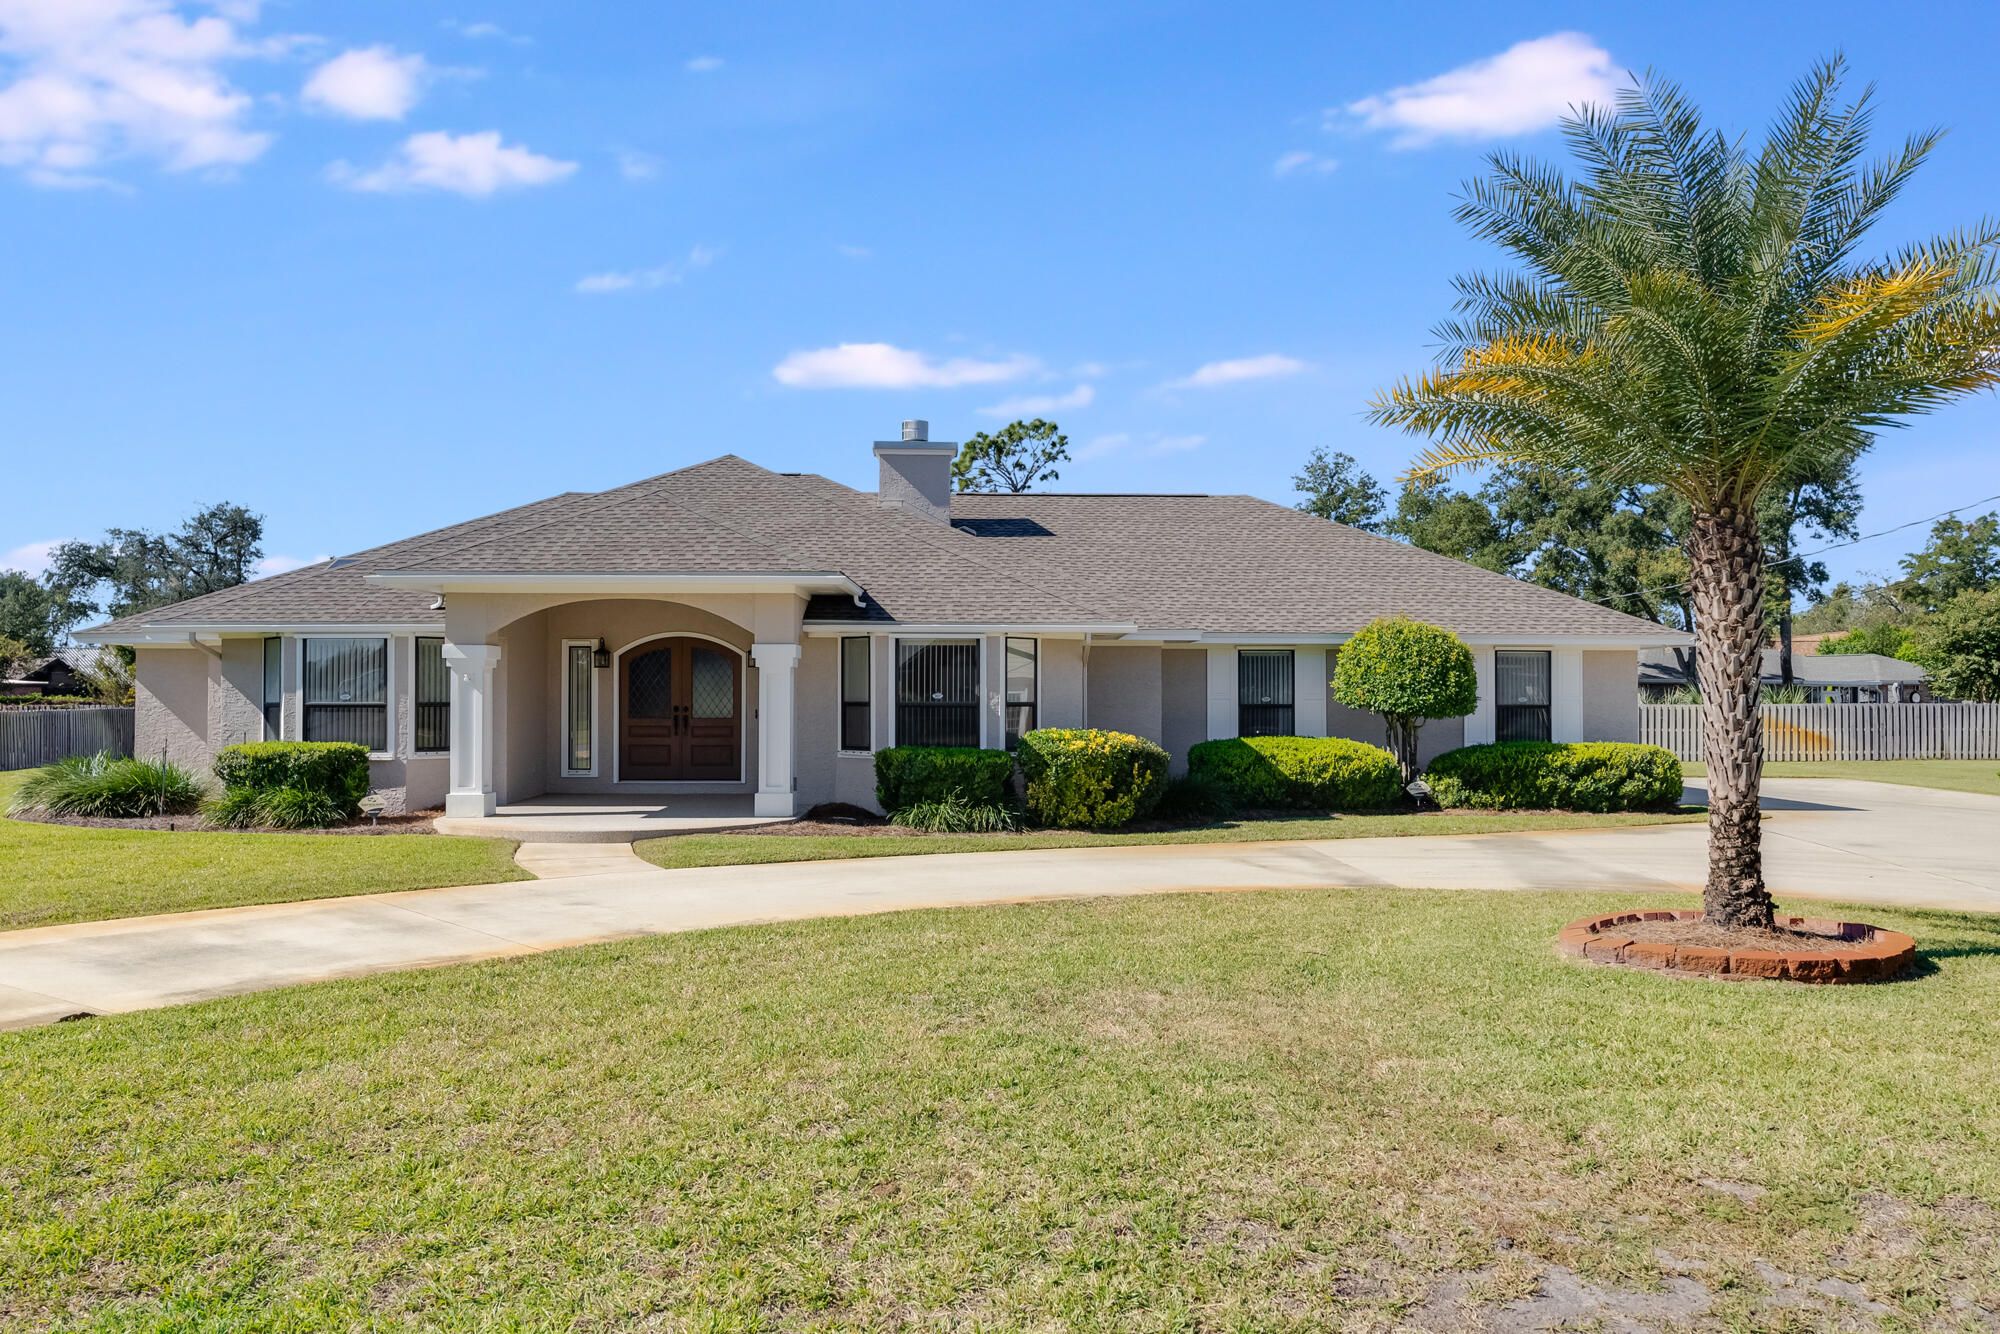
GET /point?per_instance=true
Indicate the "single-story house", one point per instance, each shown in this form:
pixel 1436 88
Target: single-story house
pixel 724 629
pixel 54 675
pixel 1831 678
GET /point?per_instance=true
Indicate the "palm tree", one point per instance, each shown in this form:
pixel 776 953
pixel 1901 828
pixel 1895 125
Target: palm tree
pixel 1690 316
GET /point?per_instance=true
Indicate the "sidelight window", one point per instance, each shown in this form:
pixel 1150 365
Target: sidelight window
pixel 854 694
pixel 1521 694
pixel 579 708
pixel 431 700
pixel 1023 657
pixel 937 692
pixel 274 688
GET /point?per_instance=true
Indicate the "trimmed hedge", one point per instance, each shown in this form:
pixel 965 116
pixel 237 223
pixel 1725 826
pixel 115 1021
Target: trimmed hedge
pixel 907 776
pixel 1313 773
pixel 1083 778
pixel 1555 775
pixel 291 784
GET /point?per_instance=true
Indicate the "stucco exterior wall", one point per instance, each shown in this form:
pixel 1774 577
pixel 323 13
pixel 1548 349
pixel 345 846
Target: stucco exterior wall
pixel 1183 702
pixel 1061 700
pixel 816 719
pixel 1125 690
pixel 529 750
pixel 170 706
pixel 1610 695
pixel 1438 735
pixel 237 702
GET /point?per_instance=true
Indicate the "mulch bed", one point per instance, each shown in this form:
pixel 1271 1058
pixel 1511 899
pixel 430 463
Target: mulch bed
pixel 1798 949
pixel 418 823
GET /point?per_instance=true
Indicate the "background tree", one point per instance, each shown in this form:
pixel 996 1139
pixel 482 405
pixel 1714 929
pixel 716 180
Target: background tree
pixel 1408 672
pixel 15 655
pixel 1959 558
pixel 1336 488
pixel 1960 646
pixel 1821 501
pixel 1013 458
pixel 1691 316
pixel 32 613
pixel 133 570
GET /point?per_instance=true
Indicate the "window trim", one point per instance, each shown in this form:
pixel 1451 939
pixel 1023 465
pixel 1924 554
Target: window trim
pixel 840 701
pixel 562 713
pixel 389 684
pixel 1291 656
pixel 415 703
pixel 1035 704
pixel 980 705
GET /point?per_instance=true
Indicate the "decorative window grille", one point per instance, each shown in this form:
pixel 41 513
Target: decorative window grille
pixel 1521 694
pixel 937 692
pixel 1264 692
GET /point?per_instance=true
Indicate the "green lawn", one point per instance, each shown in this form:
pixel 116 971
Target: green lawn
pixel 736 849
pixel 1958 775
pixel 1251 1111
pixel 55 873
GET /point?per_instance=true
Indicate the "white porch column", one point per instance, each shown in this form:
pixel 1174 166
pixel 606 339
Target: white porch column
pixel 776 666
pixel 472 667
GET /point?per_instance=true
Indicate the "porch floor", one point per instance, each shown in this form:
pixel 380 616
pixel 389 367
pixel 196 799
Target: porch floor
pixel 592 819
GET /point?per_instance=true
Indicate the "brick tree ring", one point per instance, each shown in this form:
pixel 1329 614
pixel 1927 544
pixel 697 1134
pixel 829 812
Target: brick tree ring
pixel 1854 951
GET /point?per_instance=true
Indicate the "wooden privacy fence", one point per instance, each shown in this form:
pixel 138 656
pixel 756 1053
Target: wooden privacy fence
pixel 1843 731
pixel 31 737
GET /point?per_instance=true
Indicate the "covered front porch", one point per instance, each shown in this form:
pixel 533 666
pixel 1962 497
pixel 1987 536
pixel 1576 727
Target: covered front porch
pixel 612 710
pixel 610 819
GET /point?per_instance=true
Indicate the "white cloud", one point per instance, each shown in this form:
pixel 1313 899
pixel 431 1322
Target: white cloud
pixel 483 31
pixel 1034 406
pixel 271 565
pixel 704 64
pixel 369 83
pixel 474 165
pixel 883 366
pixel 637 166
pixel 599 284
pixel 855 251
pixel 1121 442
pixel 1529 86
pixel 1270 366
pixel 1299 160
pixel 32 557
pixel 93 81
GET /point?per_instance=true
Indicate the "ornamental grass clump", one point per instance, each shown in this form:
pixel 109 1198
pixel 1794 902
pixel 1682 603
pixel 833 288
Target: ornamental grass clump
pixel 955 813
pixel 107 785
pixel 1082 778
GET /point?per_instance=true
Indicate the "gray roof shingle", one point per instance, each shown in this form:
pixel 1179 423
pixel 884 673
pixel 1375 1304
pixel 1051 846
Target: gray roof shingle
pixel 1219 564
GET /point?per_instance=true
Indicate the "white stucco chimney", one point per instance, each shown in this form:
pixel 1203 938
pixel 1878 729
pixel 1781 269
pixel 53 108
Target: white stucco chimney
pixel 916 472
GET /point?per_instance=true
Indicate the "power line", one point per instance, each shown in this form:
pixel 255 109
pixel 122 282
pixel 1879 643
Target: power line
pixel 1804 555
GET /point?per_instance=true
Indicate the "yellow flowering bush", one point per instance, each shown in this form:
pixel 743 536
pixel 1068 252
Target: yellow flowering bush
pixel 1081 778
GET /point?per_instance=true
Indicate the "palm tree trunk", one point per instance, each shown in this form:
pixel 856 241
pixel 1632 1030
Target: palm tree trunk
pixel 1729 642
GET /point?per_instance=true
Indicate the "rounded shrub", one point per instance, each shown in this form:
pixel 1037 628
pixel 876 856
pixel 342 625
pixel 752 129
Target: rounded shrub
pixel 1408 672
pixel 1556 775
pixel 1311 773
pixel 290 784
pixel 1082 778
pixel 908 776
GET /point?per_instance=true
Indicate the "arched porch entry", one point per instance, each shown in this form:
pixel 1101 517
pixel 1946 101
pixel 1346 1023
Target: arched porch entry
pixel 680 711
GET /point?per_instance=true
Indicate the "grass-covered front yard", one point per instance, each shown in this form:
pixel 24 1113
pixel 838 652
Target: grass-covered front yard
pixel 1256 1111
pixel 51 874
pixel 737 849
pixel 1958 775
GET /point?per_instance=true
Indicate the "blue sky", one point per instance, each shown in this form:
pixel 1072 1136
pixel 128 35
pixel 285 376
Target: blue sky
pixel 375 267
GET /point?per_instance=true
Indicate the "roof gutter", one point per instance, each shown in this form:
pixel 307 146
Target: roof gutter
pixel 601 581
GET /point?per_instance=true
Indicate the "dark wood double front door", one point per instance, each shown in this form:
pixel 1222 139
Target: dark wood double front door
pixel 680 713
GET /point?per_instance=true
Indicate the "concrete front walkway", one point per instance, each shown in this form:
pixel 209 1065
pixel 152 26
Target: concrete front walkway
pixel 1866 842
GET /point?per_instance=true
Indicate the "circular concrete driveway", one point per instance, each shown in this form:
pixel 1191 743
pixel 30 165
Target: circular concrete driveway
pixel 1824 838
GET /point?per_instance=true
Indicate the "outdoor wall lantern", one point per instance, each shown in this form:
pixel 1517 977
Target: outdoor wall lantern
pixel 602 657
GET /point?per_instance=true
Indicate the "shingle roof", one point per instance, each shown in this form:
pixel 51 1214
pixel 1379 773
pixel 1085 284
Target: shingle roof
pixel 1661 667
pixel 1220 564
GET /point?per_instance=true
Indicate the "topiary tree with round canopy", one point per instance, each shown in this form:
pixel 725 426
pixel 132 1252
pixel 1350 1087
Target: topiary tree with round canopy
pixel 1408 672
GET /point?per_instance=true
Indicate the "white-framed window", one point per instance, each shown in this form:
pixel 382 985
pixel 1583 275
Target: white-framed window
pixel 937 692
pixel 274 688
pixel 579 708
pixel 344 691
pixel 1264 702
pixel 856 694
pixel 430 698
pixel 1521 694
pixel 1024 668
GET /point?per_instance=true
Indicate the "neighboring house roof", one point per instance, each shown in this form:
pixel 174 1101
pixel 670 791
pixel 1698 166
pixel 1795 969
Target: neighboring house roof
pixel 1165 563
pixel 1660 667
